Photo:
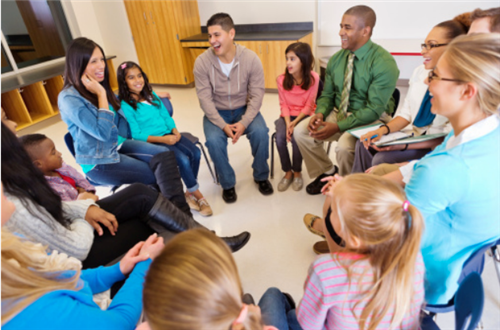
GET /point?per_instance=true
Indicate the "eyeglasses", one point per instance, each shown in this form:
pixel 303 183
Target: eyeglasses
pixel 430 46
pixel 433 75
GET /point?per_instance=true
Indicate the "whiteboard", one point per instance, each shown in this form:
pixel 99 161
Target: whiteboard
pixel 402 19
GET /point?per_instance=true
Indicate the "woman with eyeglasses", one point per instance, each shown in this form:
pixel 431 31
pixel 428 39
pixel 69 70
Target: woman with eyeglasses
pixel 457 186
pixel 415 112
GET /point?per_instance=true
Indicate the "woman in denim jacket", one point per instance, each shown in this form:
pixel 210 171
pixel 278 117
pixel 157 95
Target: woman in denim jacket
pixel 102 139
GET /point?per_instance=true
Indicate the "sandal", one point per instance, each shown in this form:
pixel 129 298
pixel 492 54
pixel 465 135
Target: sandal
pixel 309 222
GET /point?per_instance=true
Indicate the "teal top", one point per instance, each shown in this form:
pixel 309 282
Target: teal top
pixel 148 119
pixel 121 139
pixel 457 190
pixel 374 78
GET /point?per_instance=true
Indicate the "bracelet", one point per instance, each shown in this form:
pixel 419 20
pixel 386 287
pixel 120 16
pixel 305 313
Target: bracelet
pixel 388 129
pixel 406 147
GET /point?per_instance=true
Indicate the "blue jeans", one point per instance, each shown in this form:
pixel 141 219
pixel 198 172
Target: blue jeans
pixel 188 159
pixel 133 166
pixel 258 134
pixel 276 311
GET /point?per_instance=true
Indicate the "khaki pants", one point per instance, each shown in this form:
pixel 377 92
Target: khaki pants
pixel 315 157
pixel 383 169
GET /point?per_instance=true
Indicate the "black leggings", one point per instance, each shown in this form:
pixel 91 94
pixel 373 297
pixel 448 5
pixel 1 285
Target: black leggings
pixel 131 207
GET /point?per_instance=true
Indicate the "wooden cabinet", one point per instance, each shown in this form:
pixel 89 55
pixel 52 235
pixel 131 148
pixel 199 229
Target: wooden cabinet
pixel 270 52
pixel 157 28
pixel 33 103
pixel 272 56
pixel 36 98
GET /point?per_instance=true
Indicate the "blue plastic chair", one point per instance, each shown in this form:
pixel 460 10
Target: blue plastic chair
pixel 475 263
pixel 191 137
pixel 68 139
pixel 468 302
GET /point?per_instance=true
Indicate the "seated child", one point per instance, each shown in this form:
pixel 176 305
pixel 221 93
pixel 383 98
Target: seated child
pixel 150 122
pixel 197 286
pixel 297 89
pixel 64 179
pixel 50 291
pixel 377 278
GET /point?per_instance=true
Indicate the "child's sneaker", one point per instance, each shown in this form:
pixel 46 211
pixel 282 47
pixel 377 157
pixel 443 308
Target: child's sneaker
pixel 192 201
pixel 205 209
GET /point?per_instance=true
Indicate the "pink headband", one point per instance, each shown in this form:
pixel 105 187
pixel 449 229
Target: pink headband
pixel 406 204
pixel 124 65
pixel 242 316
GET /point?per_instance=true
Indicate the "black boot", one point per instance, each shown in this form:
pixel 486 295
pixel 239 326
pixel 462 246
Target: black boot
pixel 168 179
pixel 165 213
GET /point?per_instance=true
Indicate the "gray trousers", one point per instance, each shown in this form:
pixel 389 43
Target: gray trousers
pixel 315 157
pixel 281 145
pixel 364 159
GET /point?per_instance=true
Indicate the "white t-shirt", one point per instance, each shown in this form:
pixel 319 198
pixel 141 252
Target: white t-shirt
pixel 226 68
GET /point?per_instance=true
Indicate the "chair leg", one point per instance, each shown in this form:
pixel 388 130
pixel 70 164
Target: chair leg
pixel 214 174
pixel 495 253
pixel 273 140
pixel 328 147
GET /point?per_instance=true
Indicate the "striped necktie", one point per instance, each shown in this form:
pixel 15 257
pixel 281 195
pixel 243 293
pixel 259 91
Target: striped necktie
pixel 344 101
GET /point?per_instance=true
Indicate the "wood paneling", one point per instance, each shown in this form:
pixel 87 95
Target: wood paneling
pixel 157 27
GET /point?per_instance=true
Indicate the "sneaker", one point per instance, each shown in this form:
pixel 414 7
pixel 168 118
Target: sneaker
pixel 284 184
pixel 297 183
pixel 192 201
pixel 205 209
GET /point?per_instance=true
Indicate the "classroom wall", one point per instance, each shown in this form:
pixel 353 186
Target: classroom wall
pixel 106 23
pixel 256 12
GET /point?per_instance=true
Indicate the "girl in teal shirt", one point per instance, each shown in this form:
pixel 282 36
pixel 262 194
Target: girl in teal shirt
pixel 150 121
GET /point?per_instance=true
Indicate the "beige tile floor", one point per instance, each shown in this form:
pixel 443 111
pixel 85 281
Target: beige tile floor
pixel 280 250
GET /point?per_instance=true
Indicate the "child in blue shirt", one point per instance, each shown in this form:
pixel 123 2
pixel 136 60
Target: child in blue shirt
pixel 150 121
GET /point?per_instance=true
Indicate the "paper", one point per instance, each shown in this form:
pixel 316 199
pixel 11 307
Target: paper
pixel 358 132
pixel 416 139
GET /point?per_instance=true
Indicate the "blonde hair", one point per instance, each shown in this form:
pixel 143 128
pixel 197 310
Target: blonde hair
pixel 370 208
pixel 28 273
pixel 194 284
pixel 476 58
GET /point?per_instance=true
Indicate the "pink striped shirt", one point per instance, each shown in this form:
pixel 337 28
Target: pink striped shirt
pixel 297 100
pixel 329 300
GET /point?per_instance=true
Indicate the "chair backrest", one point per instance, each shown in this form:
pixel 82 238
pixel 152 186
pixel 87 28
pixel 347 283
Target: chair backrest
pixel 396 95
pixel 469 302
pixel 166 102
pixel 68 139
pixel 320 89
pixel 475 263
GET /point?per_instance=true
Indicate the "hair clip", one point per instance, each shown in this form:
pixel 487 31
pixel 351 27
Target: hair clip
pixel 123 66
pixel 406 204
pixel 242 316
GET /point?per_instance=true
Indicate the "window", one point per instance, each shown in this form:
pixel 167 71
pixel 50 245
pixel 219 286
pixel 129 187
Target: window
pixel 34 31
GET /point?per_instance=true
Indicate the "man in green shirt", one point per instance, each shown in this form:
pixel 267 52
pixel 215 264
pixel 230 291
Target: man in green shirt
pixel 363 99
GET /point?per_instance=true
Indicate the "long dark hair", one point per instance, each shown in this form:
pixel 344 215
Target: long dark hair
pixel 23 180
pixel 306 57
pixel 78 56
pixel 123 91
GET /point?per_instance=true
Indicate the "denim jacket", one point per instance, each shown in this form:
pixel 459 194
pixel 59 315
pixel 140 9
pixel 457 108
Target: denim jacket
pixel 94 131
